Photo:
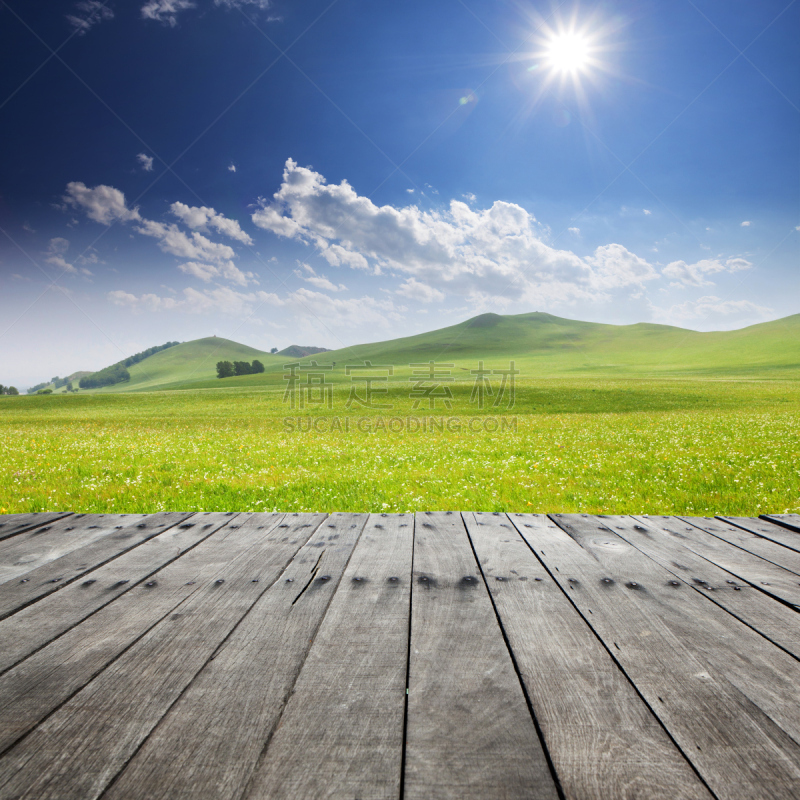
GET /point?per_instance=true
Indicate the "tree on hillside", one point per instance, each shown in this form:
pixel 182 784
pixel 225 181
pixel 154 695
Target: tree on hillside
pixel 105 377
pixel 12 390
pixel 256 366
pixel 274 350
pixel 224 369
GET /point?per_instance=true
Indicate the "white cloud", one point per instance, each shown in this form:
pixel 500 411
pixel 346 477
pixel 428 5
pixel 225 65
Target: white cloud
pixel 103 204
pixel 709 307
pixel 259 4
pixel 146 162
pixel 206 259
pixel 320 281
pixel 745 224
pixel 469 197
pixel 616 267
pixel 220 300
pixel 695 274
pixel 473 253
pixel 55 255
pixel 203 218
pixel 576 231
pixel 313 308
pixel 165 10
pixel 415 290
pixel 646 212
pixel 231 167
pixel 171 239
pixel 227 270
pixel 88 14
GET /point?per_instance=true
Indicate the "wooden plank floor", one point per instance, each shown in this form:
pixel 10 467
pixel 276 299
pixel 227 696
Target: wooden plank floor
pixel 436 655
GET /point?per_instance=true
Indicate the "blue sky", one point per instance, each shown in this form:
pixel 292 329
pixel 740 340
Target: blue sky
pixel 295 171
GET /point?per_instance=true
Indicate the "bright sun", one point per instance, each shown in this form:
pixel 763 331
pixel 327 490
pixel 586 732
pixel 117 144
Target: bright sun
pixel 568 52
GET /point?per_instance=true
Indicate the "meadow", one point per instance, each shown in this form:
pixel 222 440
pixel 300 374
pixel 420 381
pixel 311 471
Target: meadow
pixel 653 446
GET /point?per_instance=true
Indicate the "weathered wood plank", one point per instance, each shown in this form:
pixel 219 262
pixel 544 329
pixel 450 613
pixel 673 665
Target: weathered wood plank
pixel 769 530
pixel 113 540
pixel 773 619
pixel 214 734
pixel 757 545
pixel 341 735
pixel 12 524
pixel 763 575
pixel 790 521
pixel 34 626
pixel 769 677
pixel 46 543
pixel 737 750
pixel 469 731
pixel 602 738
pixel 50 677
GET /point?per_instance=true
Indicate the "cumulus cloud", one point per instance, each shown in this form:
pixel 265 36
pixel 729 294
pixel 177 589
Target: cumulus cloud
pixel 202 218
pixel 146 162
pixel 576 231
pixel 171 239
pixel 709 307
pixel 745 224
pixel 55 255
pixel 469 252
pixel 165 10
pixel 88 14
pixel 320 281
pixel 103 204
pixel 206 259
pixel 207 272
pixel 684 274
pixel 231 167
pixel 415 290
pixel 646 212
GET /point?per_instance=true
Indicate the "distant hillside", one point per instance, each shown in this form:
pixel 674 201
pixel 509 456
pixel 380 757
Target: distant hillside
pixel 189 362
pixel 542 345
pixel 547 345
pixel 297 351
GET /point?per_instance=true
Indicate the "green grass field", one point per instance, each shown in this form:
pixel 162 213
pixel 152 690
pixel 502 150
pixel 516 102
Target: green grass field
pixel 657 446
pixel 616 419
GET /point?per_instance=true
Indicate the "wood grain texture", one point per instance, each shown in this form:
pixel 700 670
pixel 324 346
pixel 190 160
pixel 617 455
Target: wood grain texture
pixel 79 748
pixel 469 732
pixel 43 681
pixel 763 575
pixel 790 521
pixel 757 545
pixel 215 733
pixel 773 619
pixel 602 738
pixel 737 750
pixel 769 530
pixel 769 677
pixel 34 548
pixel 35 625
pixel 341 735
pixel 114 537
pixel 12 524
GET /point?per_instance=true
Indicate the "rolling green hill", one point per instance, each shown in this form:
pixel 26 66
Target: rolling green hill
pixel 548 345
pixel 542 345
pixel 187 363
